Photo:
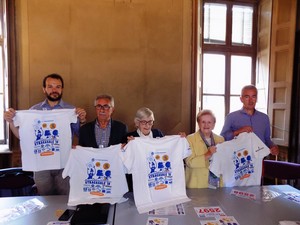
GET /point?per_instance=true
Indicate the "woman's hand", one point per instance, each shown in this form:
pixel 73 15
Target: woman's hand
pixel 182 134
pixel 211 150
pixel 130 138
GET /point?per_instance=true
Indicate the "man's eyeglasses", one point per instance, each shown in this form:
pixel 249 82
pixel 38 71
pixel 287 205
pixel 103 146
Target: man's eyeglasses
pixel 105 107
pixel 144 122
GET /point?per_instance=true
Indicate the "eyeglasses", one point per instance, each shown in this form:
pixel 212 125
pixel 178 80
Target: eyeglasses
pixel 144 122
pixel 105 107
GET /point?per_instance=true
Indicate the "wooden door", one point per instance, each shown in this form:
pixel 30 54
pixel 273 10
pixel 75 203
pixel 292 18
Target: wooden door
pixel 281 68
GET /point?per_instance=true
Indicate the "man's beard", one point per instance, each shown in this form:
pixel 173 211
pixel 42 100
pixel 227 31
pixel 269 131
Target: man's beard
pixel 54 99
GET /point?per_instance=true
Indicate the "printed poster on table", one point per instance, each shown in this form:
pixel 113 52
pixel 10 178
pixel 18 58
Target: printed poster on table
pixel 210 211
pixel 170 210
pixel 293 196
pixel 243 194
pixel 210 222
pixel 157 221
pixel 222 220
pixel 228 220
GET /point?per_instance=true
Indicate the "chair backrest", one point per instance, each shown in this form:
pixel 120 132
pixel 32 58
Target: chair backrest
pixel 16 182
pixel 281 170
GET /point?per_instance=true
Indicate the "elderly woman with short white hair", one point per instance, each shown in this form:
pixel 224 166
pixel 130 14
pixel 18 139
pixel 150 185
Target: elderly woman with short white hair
pixel 144 120
pixel 203 145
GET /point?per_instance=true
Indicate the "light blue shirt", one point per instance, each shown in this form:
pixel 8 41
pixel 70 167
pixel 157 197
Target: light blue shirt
pixel 259 122
pixel 61 105
pixel 102 134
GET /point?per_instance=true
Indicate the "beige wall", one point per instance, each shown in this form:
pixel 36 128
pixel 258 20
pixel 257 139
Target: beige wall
pixel 139 51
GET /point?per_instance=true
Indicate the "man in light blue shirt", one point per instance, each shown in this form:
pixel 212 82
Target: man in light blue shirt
pixel 248 119
pixel 50 182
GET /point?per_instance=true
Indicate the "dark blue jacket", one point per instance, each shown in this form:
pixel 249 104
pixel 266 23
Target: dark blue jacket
pixel 87 136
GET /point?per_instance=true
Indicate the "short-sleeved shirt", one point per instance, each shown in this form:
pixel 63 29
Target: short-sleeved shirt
pixel 45 137
pixel 96 175
pixel 239 161
pixel 158 171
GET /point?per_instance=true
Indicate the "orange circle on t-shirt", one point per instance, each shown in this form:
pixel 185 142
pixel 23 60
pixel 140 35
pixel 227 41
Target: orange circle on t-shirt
pixel 245 176
pixel 160 186
pixel 106 166
pixel 96 193
pixel 47 153
pixel 165 157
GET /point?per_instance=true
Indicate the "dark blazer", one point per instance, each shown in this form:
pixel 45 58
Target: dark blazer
pixel 87 134
pixel 156 134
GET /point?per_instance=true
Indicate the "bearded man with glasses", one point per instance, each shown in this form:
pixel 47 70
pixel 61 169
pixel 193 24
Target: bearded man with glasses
pixel 50 182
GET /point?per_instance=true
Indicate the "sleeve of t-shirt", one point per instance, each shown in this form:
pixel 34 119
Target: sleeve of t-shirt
pixel 17 119
pixel 260 150
pixel 215 165
pixel 73 116
pixel 187 150
pixel 127 155
pixel 70 163
pixel 69 114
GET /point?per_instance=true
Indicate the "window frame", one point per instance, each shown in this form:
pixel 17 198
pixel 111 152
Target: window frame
pixel 11 71
pixel 4 68
pixel 228 49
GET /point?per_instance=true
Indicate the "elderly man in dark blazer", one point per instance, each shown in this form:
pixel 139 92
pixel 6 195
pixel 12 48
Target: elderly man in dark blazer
pixel 103 131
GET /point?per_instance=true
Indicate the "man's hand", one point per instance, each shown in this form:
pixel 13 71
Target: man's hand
pixel 247 129
pixel 9 115
pixel 81 113
pixel 274 150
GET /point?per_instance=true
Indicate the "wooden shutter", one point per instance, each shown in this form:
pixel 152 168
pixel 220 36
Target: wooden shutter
pixel 281 68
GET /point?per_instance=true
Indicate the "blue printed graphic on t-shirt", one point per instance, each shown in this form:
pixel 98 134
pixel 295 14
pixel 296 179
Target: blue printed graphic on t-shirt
pixel 243 164
pixel 46 137
pixel 160 171
pixel 98 181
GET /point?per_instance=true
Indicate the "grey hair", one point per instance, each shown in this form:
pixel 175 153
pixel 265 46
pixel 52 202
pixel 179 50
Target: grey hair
pixel 141 113
pixel 205 112
pixel 248 87
pixel 105 96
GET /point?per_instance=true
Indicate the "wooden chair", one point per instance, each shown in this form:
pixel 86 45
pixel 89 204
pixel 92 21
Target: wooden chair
pixel 281 172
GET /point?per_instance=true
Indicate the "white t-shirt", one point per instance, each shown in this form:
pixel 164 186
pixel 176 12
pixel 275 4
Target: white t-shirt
pixel 239 161
pixel 96 175
pixel 157 171
pixel 45 137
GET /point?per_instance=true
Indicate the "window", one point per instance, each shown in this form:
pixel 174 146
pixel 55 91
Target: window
pixel 215 23
pixel 3 72
pixel 228 55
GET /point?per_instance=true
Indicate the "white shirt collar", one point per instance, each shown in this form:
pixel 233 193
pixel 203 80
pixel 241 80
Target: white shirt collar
pixel 150 135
